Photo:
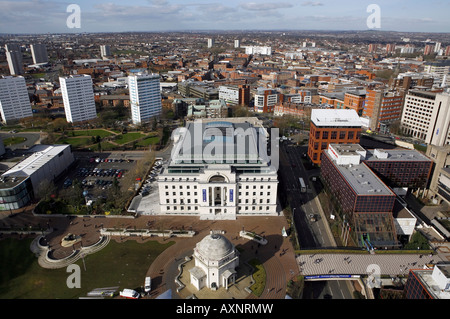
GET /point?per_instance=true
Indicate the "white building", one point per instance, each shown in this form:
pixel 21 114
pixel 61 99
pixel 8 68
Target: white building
pixel 426 116
pixel 258 50
pixel 265 100
pixel 145 97
pixel 15 63
pixel 78 97
pixel 230 94
pixel 105 51
pixel 210 43
pixel 14 100
pixel 216 260
pixel 39 53
pixel 237 44
pixel 220 169
pixel 440 70
pixel 20 184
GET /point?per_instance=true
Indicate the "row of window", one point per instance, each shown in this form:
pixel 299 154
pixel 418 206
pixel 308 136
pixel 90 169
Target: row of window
pixel 195 208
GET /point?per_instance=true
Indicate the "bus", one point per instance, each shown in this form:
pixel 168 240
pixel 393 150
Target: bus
pixel 302 185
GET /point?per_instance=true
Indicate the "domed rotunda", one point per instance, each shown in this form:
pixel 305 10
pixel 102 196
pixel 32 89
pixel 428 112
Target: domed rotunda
pixel 216 259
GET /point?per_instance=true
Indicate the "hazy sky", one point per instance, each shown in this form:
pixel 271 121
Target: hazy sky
pixel 42 16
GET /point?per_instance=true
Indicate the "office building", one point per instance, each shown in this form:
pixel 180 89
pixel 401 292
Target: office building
pixel 400 168
pixel 78 98
pixel 210 109
pixel 261 50
pixel 439 188
pixel 14 100
pixel 210 43
pixel 39 53
pixel 382 108
pixel 219 170
pixel 332 126
pixel 235 95
pixel 199 90
pixel 237 44
pixel 20 184
pixel 266 100
pixel 105 51
pixel 441 69
pixel 428 283
pixel 409 80
pixel 355 100
pixel 426 116
pixel 14 58
pixel 363 200
pixel 145 97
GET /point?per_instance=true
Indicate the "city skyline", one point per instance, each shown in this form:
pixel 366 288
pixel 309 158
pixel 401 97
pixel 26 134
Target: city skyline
pixel 39 16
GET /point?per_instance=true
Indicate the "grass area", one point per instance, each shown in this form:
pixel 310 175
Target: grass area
pixel 259 275
pixel 106 146
pixel 128 137
pixel 150 140
pixel 77 141
pixel 123 265
pixel 14 140
pixel 38 75
pixel 420 148
pixel 95 133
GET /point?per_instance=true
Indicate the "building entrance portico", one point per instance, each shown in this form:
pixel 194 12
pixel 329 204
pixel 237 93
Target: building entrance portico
pixel 218 197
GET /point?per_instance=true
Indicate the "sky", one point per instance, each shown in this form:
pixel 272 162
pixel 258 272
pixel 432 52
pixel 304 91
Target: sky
pixel 50 16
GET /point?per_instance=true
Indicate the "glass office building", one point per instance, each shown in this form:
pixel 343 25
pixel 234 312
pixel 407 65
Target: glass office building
pixel 15 192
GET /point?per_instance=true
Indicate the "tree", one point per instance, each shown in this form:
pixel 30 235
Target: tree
pixel 45 189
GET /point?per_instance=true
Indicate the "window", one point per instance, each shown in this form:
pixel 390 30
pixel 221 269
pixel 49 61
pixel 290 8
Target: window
pixel 333 135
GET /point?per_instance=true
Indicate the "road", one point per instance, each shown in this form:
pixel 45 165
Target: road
pixel 31 139
pixel 311 234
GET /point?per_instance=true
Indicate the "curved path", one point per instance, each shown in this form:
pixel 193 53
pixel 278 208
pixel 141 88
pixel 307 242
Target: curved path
pixel 42 252
pixel 277 256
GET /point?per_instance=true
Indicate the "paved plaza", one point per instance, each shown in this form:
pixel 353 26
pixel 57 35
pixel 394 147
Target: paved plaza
pixel 361 264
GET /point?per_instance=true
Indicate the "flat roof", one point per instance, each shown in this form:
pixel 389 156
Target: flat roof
pixel 335 117
pixel 348 149
pixel 40 155
pixel 362 179
pixel 397 154
pixel 220 141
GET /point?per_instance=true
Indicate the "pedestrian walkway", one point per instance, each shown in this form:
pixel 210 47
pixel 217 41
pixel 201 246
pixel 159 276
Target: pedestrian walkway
pixel 362 264
pixel 277 256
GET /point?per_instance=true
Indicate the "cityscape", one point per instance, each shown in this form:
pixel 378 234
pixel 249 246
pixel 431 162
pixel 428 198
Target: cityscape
pixel 247 161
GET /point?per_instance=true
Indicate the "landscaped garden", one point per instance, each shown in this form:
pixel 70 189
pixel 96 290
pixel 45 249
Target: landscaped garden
pixel 122 265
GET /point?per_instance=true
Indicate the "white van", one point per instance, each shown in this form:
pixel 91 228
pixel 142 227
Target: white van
pixel 130 294
pixel 148 284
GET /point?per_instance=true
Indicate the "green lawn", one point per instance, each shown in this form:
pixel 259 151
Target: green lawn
pixel 13 140
pixel 106 146
pixel 150 140
pixel 128 137
pixel 123 265
pixel 77 141
pixel 95 133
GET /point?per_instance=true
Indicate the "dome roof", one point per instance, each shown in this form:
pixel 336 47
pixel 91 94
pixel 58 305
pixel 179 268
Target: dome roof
pixel 215 247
